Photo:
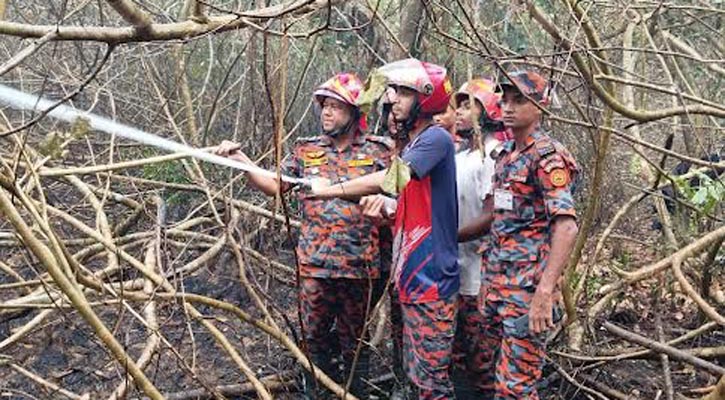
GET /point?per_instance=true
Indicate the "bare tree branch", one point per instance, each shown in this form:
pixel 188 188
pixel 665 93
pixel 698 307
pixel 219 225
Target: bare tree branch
pixel 163 32
pixel 131 14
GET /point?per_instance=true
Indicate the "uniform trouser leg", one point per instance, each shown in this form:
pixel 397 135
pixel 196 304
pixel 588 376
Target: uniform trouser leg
pixel 469 353
pixel 491 337
pixel 317 303
pixel 428 331
pixel 355 305
pixel 520 360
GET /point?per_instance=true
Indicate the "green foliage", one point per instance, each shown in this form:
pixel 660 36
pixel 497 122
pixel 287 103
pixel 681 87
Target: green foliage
pixel 176 197
pixel 593 284
pixel 397 177
pixel 53 145
pixel 624 258
pixel 374 89
pixel 170 172
pixel 167 171
pixel 81 127
pixel 707 195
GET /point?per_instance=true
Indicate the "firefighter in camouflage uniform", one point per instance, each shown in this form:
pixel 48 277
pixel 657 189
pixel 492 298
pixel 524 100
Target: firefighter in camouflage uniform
pixel 338 247
pixel 532 223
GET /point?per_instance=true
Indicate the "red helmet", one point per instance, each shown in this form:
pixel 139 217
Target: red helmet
pixel 345 87
pixel 429 80
pixel 483 91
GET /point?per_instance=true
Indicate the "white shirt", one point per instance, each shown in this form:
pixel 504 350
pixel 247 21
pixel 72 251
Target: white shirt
pixel 474 178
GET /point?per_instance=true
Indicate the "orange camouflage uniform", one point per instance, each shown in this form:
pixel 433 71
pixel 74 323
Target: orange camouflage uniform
pixel 336 239
pixel 338 252
pixel 531 187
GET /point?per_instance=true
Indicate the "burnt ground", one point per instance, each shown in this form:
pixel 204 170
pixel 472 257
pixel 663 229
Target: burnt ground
pixel 637 378
pixel 65 351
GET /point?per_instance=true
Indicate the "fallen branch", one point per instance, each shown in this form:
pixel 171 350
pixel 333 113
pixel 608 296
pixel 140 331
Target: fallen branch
pixel 49 385
pixel 701 244
pixel 273 382
pixel 25 329
pixel 706 308
pixel 700 352
pixel 578 384
pixel 663 348
pixel 76 297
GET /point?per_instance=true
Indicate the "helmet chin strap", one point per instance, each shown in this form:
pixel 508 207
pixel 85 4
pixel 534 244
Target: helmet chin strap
pixel 387 109
pixel 334 133
pixel 409 124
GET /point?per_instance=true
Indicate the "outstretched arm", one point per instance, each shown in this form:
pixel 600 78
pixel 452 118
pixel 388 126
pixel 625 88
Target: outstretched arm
pixel 267 185
pixel 362 186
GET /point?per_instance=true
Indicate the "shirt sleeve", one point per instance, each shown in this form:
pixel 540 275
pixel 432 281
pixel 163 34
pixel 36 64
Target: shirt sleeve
pixel 428 151
pixel 555 177
pixel 488 171
pixel 292 165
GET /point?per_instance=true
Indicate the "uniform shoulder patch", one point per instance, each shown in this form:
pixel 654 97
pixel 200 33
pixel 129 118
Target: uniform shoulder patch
pixel 383 140
pixel 559 177
pixel 551 162
pixel 545 147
